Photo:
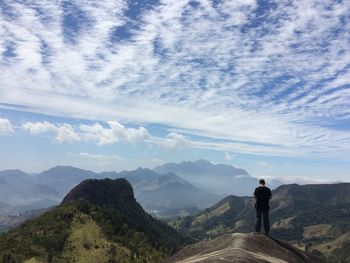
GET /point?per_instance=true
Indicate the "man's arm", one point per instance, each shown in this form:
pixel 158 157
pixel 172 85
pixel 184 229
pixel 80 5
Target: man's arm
pixel 270 194
pixel 255 194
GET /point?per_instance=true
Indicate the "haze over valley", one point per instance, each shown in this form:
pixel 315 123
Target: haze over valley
pixel 170 189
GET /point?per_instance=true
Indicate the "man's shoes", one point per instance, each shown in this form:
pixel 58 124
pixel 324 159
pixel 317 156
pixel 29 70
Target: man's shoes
pixel 257 233
pixel 267 234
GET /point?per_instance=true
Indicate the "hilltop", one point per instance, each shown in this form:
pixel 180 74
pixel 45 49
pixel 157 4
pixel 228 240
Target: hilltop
pixel 315 218
pixel 243 248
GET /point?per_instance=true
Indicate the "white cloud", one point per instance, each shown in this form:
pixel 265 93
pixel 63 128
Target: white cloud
pixel 173 141
pixel 229 156
pixel 265 165
pixel 113 133
pixel 66 133
pixel 5 126
pixel 96 132
pixel 103 157
pixel 298 180
pixel 267 89
pixel 63 132
pixel 39 127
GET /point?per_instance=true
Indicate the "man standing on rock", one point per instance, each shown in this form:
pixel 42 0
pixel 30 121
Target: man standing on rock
pixel 262 194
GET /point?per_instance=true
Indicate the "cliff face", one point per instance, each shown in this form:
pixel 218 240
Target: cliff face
pixel 116 194
pixel 243 248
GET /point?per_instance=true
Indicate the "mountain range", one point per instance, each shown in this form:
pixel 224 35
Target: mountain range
pixel 168 190
pixel 97 221
pixel 163 193
pixel 315 218
pixel 221 179
pixel 101 221
pixel 21 192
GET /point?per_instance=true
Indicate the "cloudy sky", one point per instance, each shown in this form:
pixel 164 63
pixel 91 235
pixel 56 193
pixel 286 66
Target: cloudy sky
pixel 263 85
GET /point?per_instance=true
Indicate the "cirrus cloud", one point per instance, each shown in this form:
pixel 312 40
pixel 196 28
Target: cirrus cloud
pixel 103 157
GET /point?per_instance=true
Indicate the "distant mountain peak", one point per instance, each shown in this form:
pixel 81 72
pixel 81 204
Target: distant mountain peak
pixel 220 179
pixel 199 167
pixel 12 171
pixel 64 168
pixel 202 161
pixel 143 169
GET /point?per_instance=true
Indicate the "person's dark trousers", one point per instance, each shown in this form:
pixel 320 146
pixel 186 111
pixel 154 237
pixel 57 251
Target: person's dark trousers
pixel 265 215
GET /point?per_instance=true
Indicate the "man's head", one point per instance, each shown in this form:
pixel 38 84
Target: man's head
pixel 262 181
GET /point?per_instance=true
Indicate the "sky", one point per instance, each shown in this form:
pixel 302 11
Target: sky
pixel 114 85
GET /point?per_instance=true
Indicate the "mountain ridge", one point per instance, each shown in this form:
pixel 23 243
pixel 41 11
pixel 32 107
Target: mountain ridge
pixel 220 179
pixel 86 228
pixel 310 216
pixel 52 184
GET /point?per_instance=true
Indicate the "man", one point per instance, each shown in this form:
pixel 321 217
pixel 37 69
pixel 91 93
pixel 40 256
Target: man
pixel 262 194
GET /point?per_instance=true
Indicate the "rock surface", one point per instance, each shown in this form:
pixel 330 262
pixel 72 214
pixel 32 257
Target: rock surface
pixel 243 248
pixel 115 194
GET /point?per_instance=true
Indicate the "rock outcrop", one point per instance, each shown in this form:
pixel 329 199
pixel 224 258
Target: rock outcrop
pixel 242 248
pixel 107 193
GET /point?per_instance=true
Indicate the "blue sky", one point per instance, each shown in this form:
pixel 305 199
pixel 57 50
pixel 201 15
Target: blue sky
pixel 264 85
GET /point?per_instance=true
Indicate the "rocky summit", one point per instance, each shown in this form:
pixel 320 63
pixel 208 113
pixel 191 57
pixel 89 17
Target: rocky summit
pixel 107 193
pixel 242 248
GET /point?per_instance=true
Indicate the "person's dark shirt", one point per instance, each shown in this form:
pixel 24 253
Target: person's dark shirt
pixel 263 196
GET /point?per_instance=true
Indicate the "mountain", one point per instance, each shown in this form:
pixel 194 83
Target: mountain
pixel 10 221
pixel 217 178
pixel 150 187
pixel 19 187
pixel 313 217
pixel 162 194
pixel 20 191
pixel 200 168
pixel 176 195
pixel 64 178
pixel 97 221
pixel 245 248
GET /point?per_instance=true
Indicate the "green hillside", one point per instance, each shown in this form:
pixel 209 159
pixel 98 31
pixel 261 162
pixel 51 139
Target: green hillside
pixel 315 218
pixel 98 221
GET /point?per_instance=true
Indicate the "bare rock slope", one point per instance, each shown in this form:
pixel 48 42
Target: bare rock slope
pixel 242 248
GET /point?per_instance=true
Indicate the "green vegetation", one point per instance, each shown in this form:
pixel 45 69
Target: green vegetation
pixel 100 221
pixel 81 231
pixel 43 237
pixel 312 217
pixel 340 254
